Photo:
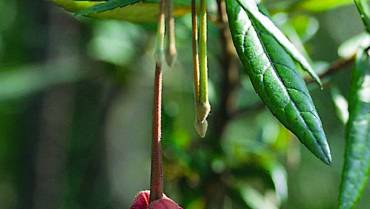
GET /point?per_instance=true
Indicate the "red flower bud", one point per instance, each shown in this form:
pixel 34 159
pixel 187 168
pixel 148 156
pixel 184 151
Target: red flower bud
pixel 164 203
pixel 142 202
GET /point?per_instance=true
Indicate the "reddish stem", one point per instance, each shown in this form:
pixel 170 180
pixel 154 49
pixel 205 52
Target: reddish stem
pixel 156 179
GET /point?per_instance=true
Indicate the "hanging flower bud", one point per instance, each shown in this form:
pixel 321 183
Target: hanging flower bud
pixel 164 203
pixel 141 201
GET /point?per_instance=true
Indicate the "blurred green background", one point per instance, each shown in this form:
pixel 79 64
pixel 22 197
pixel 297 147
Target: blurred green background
pixel 75 115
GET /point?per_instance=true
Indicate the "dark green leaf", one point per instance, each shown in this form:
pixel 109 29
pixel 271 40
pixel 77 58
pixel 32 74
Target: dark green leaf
pixel 363 7
pixel 275 78
pixel 357 154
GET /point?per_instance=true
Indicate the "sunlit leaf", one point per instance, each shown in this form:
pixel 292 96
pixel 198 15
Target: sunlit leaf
pixel 321 5
pixel 140 12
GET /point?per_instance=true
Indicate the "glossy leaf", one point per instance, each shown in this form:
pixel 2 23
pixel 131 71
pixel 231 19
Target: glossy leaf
pixel 252 9
pixel 357 155
pixel 275 78
pixel 141 12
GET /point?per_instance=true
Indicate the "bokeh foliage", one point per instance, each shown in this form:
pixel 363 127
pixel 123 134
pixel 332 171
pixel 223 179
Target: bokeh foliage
pixel 75 114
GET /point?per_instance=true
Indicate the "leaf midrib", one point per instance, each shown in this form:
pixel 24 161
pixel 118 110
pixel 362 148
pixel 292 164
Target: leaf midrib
pixel 272 64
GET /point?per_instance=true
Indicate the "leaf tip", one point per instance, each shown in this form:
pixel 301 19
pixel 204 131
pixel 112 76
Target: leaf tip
pixel 326 156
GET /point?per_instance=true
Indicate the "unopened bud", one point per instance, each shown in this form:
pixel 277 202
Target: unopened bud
pixel 142 201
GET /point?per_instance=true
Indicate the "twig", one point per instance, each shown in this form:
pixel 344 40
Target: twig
pixel 335 67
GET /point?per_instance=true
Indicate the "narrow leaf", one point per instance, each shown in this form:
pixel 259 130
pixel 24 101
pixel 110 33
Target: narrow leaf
pixel 357 155
pixel 108 5
pixel 363 7
pixel 251 8
pixel 274 77
pixel 139 12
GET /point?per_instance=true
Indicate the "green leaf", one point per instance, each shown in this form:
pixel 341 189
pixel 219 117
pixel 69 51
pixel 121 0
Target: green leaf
pixel 106 6
pixel 140 12
pixel 320 5
pixel 251 8
pixel 357 155
pixel 363 7
pixel 275 78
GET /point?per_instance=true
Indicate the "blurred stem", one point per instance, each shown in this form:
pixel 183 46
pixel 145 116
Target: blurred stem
pixel 156 178
pixel 171 52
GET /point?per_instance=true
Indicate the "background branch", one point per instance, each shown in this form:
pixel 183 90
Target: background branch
pixel 337 66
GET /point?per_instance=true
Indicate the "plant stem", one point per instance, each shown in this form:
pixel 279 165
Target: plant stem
pixel 203 74
pixel 200 123
pixel 156 178
pixel 200 73
pixel 194 34
pixel 159 48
